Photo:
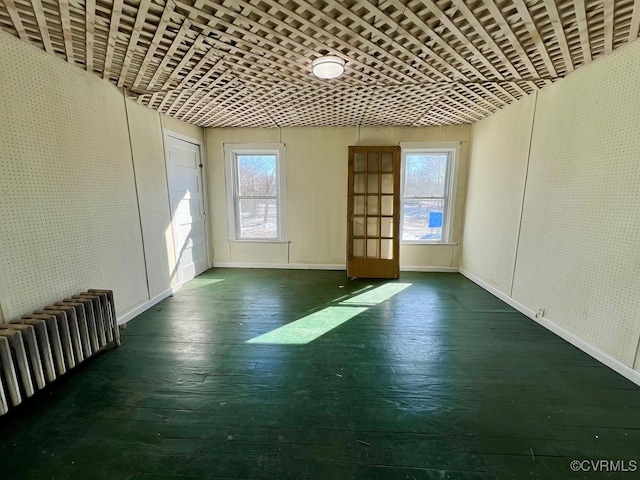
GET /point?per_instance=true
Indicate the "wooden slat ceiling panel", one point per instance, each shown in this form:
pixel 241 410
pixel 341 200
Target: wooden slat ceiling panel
pixel 218 63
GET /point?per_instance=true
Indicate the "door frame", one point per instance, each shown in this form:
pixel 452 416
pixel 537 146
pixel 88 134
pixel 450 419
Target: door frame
pixel 204 185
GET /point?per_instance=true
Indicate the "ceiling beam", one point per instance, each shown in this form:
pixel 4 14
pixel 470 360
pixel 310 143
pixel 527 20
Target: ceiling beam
pixel 446 21
pixel 15 19
pixel 635 22
pixel 583 29
pixel 497 16
pixel 38 12
pixel 206 58
pixel 180 37
pixel 195 46
pixel 141 15
pixel 609 15
pixel 114 23
pixel 530 25
pixel 155 41
pixel 558 28
pixel 90 25
pixel 67 35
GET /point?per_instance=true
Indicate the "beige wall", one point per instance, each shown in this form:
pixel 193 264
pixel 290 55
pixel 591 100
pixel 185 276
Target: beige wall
pixel 316 180
pixel 153 199
pixel 83 192
pixel 178 126
pixel 499 153
pixel 577 254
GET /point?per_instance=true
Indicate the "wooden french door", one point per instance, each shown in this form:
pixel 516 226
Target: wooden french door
pixel 373 227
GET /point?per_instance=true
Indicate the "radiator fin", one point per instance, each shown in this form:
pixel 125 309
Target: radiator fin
pixel 37 349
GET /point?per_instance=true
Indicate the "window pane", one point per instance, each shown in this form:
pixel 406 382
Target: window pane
pixel 425 174
pixel 359 163
pixel 258 219
pixel 257 175
pixel 422 219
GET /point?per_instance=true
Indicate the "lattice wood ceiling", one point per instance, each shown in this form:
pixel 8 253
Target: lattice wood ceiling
pixel 247 63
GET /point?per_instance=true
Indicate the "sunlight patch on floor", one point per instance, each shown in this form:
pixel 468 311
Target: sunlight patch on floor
pixel 201 282
pixel 308 328
pixel 377 295
pixel 313 326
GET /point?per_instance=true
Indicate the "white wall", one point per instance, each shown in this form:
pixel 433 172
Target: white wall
pixel 82 183
pixel 577 254
pixel 316 179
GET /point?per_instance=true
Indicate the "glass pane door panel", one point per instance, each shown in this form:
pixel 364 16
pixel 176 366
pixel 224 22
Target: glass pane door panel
pixel 372 248
pixel 358 183
pixel 386 227
pixel 372 227
pixel 372 205
pixel 387 205
pixel 386 249
pixel 358 248
pixel 373 164
pixel 372 183
pixel 387 183
pixel 387 162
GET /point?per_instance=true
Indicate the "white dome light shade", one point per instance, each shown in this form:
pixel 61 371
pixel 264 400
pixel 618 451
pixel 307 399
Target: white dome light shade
pixel 328 67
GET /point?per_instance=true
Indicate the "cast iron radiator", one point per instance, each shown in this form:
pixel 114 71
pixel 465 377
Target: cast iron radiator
pixel 38 348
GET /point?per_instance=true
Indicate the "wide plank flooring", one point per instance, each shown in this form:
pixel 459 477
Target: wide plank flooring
pixel 439 381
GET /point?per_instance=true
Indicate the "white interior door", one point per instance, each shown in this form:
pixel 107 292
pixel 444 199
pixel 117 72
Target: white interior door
pixel 184 174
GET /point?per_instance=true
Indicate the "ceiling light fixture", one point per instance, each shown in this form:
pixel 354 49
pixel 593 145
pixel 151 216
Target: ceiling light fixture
pixel 328 67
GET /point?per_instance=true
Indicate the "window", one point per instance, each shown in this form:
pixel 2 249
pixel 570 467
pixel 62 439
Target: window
pixel 428 172
pixel 255 191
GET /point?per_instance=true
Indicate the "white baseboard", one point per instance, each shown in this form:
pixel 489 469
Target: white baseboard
pixel 324 266
pixel 286 266
pixel 147 305
pixel 409 268
pixel 609 361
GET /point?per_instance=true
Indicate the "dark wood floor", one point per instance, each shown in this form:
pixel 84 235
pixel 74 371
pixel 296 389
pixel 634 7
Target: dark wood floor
pixel 441 380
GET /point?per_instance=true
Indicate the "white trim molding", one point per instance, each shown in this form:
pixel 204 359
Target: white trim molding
pixel 417 268
pixel 231 152
pixel 614 364
pixel 453 151
pixel 285 266
pixel 131 314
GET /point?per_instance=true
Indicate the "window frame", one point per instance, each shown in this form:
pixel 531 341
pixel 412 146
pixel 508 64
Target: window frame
pixel 452 149
pixel 231 153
